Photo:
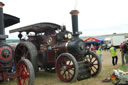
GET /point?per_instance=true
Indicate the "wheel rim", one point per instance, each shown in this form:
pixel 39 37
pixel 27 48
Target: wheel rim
pixel 65 68
pixel 23 74
pixel 94 63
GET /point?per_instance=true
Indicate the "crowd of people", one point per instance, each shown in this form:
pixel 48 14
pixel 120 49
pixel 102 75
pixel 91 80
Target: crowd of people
pixel 112 50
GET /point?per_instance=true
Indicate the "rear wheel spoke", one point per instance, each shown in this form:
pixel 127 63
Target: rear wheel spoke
pixel 68 70
pixel 94 61
pixel 95 64
pixel 94 67
pixel 92 70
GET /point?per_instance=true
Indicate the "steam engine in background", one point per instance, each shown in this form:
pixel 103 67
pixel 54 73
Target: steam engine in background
pixel 6 51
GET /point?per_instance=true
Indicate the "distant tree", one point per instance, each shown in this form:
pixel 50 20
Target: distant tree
pixel 114 33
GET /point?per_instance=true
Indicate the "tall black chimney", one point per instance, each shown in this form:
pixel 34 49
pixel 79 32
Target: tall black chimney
pixel 1 19
pixel 2 31
pixel 74 14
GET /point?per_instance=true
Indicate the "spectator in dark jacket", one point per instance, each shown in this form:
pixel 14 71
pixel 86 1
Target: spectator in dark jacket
pixel 124 51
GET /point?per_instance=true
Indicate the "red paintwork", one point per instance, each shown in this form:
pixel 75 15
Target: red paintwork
pixel 10 50
pixel 3 74
pixel 14 47
pixel 91 39
pixel 24 78
pixel 65 68
pixel 51 54
pixel 6 75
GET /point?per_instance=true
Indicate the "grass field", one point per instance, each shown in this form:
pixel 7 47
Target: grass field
pixel 44 78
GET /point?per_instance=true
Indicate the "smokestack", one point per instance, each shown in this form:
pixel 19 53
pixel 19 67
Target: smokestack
pixel 2 32
pixel 74 14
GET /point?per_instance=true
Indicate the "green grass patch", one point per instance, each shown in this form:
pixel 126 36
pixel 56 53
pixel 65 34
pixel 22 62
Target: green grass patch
pixel 124 68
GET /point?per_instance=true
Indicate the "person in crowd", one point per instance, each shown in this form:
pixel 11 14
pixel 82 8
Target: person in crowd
pixel 92 48
pixel 124 51
pixel 114 55
pixel 100 53
pixel 126 56
pixel 106 47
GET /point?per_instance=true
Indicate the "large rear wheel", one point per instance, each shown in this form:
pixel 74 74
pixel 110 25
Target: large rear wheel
pixel 27 50
pixel 67 67
pixel 95 63
pixel 25 72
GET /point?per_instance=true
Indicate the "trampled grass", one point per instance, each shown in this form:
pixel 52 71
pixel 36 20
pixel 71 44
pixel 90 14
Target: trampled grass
pixel 45 78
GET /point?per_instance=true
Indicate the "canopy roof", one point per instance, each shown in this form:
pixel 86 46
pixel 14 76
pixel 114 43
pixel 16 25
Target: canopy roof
pixel 38 28
pixel 91 39
pixel 10 20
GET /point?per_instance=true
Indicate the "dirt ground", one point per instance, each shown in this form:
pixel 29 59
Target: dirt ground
pixel 44 78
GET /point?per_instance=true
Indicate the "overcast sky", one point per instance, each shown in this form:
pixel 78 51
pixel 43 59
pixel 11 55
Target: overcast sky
pixel 96 17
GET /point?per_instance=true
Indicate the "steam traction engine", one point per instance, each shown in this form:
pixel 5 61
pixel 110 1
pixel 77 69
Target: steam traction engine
pixel 7 54
pixel 50 46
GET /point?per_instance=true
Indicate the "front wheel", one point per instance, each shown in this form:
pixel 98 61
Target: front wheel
pixel 67 67
pixel 25 73
pixel 95 63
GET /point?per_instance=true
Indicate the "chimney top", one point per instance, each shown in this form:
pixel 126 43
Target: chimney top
pixel 74 12
pixel 1 4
